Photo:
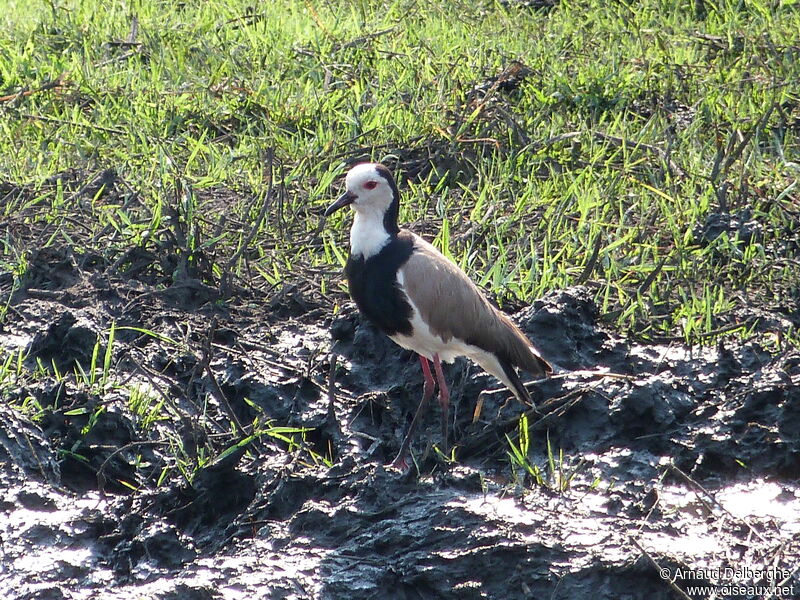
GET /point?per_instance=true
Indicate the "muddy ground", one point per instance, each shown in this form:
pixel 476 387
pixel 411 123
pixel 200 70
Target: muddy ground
pixel 688 466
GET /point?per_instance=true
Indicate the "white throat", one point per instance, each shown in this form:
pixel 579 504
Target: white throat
pixel 368 235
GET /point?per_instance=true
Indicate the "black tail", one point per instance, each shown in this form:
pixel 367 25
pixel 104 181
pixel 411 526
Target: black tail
pixel 519 390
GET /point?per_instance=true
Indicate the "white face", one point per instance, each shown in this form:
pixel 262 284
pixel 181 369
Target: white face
pixel 372 192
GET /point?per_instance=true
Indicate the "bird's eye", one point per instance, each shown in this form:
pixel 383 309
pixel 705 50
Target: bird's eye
pixel 370 185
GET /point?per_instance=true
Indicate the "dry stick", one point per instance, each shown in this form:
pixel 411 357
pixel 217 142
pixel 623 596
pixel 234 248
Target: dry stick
pixel 589 373
pixel 564 375
pixel 134 32
pixel 719 331
pixel 24 93
pixel 331 385
pixel 557 406
pixel 130 41
pixel 731 154
pixel 36 456
pixel 150 375
pixel 523 137
pixel 659 568
pixel 101 479
pixel 332 421
pixel 587 270
pixel 245 17
pixel 118 58
pixel 734 156
pixel 510 71
pixel 617 141
pixel 564 403
pixel 365 38
pixel 651 277
pixel 216 391
pixel 554 140
pixel 72 123
pixel 786 580
pixel 180 285
pixel 695 483
pixel 567 401
pixel 226 274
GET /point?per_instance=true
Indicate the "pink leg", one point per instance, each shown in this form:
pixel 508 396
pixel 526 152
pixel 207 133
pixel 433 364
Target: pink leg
pixel 444 399
pixel 427 391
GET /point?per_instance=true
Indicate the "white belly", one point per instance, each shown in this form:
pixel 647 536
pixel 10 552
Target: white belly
pixel 426 343
pixel 423 341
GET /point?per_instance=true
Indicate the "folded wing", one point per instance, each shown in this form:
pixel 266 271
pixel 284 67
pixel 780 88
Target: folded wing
pixel 454 307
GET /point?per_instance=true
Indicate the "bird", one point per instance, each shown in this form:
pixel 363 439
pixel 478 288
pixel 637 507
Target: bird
pixel 422 300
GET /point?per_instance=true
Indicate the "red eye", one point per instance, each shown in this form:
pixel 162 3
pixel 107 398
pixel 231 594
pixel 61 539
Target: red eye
pixel 370 185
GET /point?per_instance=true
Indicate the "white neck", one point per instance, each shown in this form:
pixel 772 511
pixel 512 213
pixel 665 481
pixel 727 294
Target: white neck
pixel 368 235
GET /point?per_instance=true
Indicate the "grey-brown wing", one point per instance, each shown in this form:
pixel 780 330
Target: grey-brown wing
pixel 453 307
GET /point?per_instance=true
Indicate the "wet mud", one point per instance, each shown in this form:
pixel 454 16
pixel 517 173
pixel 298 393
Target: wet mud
pixel 679 467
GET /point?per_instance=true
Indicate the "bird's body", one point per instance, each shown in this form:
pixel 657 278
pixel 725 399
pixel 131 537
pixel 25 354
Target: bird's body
pixel 422 300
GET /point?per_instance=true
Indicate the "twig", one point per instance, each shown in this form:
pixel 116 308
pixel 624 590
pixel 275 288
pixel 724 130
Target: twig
pixel 48 475
pixel 250 16
pixel 151 375
pixel 596 373
pixel 226 274
pixel 73 123
pixel 732 154
pixel 786 580
pixel 554 140
pixel 587 270
pixel 651 277
pixel 332 421
pixel 332 386
pixel 134 32
pixel 118 58
pixel 565 403
pixel 365 38
pixel 192 284
pixel 557 407
pixel 617 141
pixel 216 391
pixel 714 332
pixel 24 93
pixel 711 496
pixel 101 479
pixel 746 140
pixel 660 570
pixel 512 70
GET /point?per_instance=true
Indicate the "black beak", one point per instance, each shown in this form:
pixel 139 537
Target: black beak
pixel 345 199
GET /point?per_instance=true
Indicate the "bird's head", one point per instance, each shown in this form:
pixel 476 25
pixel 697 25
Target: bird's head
pixel 369 187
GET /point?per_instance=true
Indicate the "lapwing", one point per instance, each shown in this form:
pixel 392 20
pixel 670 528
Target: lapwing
pixel 422 300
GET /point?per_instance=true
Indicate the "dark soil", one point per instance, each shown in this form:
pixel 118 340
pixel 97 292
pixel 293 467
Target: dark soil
pixel 691 461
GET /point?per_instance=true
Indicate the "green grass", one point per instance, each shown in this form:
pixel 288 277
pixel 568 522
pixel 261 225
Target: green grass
pixel 189 110
pixel 557 475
